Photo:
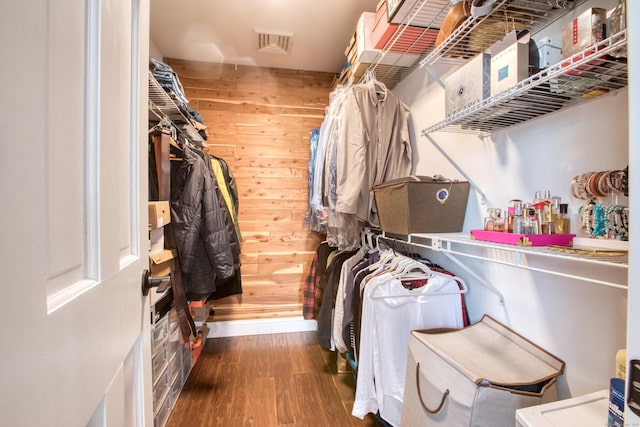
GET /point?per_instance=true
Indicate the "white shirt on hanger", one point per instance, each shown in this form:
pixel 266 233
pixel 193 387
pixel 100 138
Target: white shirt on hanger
pixel 389 313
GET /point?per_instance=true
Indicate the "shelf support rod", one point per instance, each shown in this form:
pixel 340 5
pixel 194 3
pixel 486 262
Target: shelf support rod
pixel 480 280
pixel 435 76
pixel 458 168
pixel 539 270
pixel 436 245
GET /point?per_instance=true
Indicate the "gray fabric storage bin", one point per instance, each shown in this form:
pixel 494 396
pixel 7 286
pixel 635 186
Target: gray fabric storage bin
pixel 476 376
pixel 421 204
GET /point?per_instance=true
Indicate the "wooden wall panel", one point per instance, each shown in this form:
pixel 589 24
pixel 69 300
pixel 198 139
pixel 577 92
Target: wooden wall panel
pixel 258 120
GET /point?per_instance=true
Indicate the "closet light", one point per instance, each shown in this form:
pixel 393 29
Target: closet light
pixel 278 42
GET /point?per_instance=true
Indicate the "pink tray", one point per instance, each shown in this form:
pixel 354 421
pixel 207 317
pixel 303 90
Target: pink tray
pixel 523 239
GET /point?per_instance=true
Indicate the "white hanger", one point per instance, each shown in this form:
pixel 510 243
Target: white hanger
pixel 413 264
pixel 408 270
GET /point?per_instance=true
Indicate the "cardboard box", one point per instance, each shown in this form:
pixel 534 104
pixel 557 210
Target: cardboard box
pixel 400 11
pixel 156 238
pixel 583 31
pixel 365 46
pixel 418 204
pixel 163 262
pixel 469 84
pixel 159 214
pixel 407 38
pixel 509 61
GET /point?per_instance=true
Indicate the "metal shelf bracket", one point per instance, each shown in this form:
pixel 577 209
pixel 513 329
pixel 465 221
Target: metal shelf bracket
pixel 458 168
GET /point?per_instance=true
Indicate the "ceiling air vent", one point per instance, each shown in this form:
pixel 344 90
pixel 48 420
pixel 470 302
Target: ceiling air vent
pixel 274 41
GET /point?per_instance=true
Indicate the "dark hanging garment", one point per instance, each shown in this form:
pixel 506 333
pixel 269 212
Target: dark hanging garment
pixel 329 285
pixel 233 285
pixel 201 236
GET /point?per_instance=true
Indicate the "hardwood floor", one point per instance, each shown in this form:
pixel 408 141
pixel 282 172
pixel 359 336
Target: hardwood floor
pixel 267 380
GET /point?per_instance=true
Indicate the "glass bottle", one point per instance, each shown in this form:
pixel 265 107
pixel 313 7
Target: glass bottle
pixel 511 212
pixel 531 222
pixel 516 218
pixel 536 197
pixel 562 220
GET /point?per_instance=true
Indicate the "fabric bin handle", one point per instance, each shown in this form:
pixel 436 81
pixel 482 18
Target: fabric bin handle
pixel 424 405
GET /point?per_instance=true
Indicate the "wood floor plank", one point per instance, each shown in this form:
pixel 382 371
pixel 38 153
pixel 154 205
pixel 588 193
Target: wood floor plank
pixel 267 380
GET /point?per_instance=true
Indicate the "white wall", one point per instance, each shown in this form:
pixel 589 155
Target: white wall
pixel 154 51
pixel 582 323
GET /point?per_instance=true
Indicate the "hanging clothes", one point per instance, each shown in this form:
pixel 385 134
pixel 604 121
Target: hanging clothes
pixel 231 182
pixel 312 292
pixel 363 141
pixel 374 147
pixel 314 138
pixel 201 236
pixel 367 302
pixel 328 286
pixel 233 285
pixel 393 305
pixel 221 173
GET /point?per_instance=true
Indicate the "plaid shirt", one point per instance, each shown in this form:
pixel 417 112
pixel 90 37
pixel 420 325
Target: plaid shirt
pixel 311 292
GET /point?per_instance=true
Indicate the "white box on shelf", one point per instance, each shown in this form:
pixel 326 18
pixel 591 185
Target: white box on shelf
pixel 509 61
pixel 469 84
pixel 549 52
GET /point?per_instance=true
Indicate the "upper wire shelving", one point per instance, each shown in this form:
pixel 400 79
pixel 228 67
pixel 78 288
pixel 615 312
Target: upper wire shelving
pixel 584 76
pixel 162 105
pixel 473 36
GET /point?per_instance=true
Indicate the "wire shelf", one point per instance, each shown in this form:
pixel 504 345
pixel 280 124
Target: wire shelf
pixel 582 77
pixel 476 34
pixel 472 37
pixel 162 105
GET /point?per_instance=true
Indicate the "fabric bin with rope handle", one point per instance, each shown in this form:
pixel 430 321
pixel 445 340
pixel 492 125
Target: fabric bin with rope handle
pixel 421 204
pixel 476 376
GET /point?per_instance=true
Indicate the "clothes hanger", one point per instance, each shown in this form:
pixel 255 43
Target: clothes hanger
pixel 406 271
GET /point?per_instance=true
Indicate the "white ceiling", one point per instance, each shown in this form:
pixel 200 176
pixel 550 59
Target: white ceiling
pixel 224 31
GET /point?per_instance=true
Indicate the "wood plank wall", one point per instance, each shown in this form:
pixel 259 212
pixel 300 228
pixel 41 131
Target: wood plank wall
pixel 259 120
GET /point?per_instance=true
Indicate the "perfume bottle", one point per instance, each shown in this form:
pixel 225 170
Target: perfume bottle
pixel 511 214
pixel 494 220
pixel 517 218
pixel 562 220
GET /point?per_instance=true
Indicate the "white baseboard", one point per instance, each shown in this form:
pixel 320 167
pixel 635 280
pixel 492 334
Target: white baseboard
pixel 234 328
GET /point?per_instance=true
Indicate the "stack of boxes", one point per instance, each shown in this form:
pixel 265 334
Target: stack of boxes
pixel 161 260
pixel 377 41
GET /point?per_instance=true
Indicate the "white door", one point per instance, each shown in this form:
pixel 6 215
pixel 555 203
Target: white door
pixel 73 322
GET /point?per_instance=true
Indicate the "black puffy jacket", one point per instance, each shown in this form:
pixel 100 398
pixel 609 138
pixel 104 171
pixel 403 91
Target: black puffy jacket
pixel 199 226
